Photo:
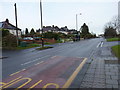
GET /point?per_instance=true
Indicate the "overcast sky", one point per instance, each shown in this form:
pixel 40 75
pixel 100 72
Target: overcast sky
pixel 95 13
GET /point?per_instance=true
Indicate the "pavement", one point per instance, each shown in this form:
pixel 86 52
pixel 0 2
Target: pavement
pixel 85 64
pixel 103 69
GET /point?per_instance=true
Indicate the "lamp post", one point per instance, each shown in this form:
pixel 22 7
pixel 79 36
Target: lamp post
pixel 16 23
pixel 77 24
pixel 77 20
pixel 41 22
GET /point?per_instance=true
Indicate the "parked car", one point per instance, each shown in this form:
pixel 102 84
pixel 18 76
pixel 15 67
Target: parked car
pixel 28 38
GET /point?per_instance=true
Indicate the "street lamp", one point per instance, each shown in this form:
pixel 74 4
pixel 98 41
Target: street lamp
pixel 77 20
pixel 77 24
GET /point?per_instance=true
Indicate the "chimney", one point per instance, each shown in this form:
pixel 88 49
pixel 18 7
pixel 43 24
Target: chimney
pixel 7 21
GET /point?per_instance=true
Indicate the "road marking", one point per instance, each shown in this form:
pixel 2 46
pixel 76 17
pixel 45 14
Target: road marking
pixel 17 72
pixel 2 84
pixel 29 80
pixel 11 81
pixel 72 77
pixel 53 57
pixel 101 44
pixel 39 63
pixel 56 85
pixel 98 44
pixel 35 85
pixel 35 60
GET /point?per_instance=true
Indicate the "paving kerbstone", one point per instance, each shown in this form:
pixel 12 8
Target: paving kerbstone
pixel 108 77
pixel 98 85
pixel 114 77
pixel 115 86
pixel 88 79
pixel 110 81
pixel 108 86
pixel 86 85
pixel 110 73
pixel 101 81
pixel 105 75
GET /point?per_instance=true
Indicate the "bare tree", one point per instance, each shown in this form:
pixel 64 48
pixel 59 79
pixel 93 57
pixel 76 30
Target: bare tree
pixel 118 24
pixel 114 23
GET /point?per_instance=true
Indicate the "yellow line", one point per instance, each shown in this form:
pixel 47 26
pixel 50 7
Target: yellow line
pixel 56 85
pixel 12 81
pixel 14 73
pixel 35 85
pixel 17 72
pixel 72 77
pixel 29 79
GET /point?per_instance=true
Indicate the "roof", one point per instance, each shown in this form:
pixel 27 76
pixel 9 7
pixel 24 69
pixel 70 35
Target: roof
pixel 7 25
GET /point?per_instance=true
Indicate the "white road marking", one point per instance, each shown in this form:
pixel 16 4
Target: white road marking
pixel 39 63
pixel 98 44
pixel 101 44
pixel 53 57
pixel 35 60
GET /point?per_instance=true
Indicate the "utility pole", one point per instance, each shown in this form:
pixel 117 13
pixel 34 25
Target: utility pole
pixel 41 23
pixel 16 23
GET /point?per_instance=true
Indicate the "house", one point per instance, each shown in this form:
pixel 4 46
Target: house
pixel 12 29
pixel 56 29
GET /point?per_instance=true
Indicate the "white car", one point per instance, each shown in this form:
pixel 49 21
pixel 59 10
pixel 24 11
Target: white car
pixel 28 38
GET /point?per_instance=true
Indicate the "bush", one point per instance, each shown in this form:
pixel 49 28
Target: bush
pixel 51 35
pixel 4 32
pixel 9 41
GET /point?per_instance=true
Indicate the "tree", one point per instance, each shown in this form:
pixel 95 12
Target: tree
pixel 32 32
pixel 110 32
pixel 114 23
pixel 26 31
pixel 111 28
pixel 84 31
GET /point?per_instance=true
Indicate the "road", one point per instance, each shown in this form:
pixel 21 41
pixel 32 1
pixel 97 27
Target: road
pixel 60 62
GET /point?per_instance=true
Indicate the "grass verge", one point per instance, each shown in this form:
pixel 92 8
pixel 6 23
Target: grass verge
pixel 28 46
pixel 42 48
pixel 113 39
pixel 116 50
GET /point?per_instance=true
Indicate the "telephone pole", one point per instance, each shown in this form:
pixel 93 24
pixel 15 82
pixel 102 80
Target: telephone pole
pixel 16 23
pixel 41 23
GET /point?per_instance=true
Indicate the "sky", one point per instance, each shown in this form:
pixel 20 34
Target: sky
pixel 95 13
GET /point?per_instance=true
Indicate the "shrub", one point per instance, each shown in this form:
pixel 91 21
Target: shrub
pixel 9 41
pixel 4 32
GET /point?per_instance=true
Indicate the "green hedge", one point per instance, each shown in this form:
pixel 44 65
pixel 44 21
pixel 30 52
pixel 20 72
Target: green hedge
pixel 9 41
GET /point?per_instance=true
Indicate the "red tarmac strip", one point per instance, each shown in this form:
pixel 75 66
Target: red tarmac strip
pixel 49 74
